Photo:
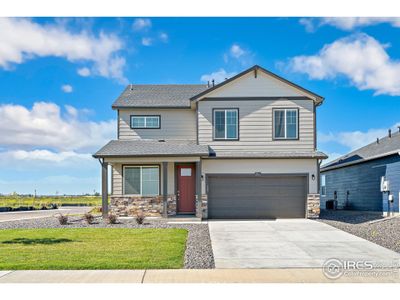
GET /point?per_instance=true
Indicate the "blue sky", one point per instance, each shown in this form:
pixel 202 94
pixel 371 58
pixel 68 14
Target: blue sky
pixel 59 77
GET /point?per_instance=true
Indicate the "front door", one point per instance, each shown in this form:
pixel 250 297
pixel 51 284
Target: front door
pixel 186 188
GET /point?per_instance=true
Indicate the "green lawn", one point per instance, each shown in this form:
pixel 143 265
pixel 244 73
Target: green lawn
pixel 92 248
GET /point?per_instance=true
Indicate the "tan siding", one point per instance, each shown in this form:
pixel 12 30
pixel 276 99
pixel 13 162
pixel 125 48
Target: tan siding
pixel 176 124
pixel 249 86
pixel 255 125
pixel 267 166
pixel 117 179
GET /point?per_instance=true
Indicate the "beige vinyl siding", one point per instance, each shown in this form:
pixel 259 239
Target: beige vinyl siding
pixel 267 166
pixel 262 86
pixel 256 125
pixel 176 124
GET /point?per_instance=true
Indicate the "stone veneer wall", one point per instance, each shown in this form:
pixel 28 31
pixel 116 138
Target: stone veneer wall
pixel 150 206
pixel 202 211
pixel 313 204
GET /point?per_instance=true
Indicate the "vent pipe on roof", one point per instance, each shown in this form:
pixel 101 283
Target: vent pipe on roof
pixel 390 133
pixel 377 140
pixel 208 83
pixel 213 82
pixel 131 87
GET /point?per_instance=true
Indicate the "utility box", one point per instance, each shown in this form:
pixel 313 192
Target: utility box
pixel 385 185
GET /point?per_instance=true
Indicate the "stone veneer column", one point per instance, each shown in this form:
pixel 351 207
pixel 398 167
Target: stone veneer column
pixel 313 206
pixel 198 190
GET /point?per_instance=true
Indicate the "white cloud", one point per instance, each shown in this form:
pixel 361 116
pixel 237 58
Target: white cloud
pixel 360 58
pixel 45 126
pixel 66 88
pixel 40 155
pixel 141 24
pixel 147 41
pixel 23 39
pixel 218 76
pixel 236 51
pixel 355 139
pixel 347 23
pixel 84 72
pixel 164 37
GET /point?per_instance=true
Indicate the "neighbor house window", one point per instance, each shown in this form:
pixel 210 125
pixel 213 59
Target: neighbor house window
pixel 142 122
pixel 141 180
pixel 226 124
pixel 286 123
pixel 323 185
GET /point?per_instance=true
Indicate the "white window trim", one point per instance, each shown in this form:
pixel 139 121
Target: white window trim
pixel 145 121
pixel 225 110
pixel 141 182
pixel 284 123
pixel 323 195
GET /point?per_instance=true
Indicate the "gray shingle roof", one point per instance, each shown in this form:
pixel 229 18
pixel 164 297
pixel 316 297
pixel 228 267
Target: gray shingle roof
pixel 275 154
pixel 386 146
pixel 158 95
pixel 116 148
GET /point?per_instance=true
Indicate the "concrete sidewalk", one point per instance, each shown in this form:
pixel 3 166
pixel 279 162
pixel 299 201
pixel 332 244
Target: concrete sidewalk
pixel 187 276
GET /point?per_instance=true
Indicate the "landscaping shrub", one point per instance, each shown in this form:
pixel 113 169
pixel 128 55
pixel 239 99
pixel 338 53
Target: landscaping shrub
pixel 112 218
pixel 63 219
pixel 140 217
pixel 88 217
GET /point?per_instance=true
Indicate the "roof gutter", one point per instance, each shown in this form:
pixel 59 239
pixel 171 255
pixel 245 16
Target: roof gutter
pixel 328 168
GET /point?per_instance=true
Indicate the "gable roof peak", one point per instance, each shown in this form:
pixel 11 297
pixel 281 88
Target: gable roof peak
pixel 317 98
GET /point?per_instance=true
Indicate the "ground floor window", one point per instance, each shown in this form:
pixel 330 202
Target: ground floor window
pixel 141 180
pixel 323 185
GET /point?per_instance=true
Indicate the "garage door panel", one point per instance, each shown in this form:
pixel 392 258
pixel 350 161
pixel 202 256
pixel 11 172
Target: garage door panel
pixel 249 196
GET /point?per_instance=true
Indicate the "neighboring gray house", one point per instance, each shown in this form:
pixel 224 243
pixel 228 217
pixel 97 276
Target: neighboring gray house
pixel 354 180
pixel 244 148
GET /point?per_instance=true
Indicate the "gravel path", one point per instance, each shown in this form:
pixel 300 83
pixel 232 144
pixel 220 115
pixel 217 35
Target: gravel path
pixel 384 232
pixel 198 253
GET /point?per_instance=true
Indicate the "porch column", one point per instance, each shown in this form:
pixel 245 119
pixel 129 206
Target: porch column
pixel 198 189
pixel 104 189
pixel 165 188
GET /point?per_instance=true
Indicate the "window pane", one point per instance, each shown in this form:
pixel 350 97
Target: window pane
pixel 152 122
pixel 219 124
pixel 291 124
pixel 231 124
pixel 138 122
pixel 279 123
pixel 150 181
pixel 132 180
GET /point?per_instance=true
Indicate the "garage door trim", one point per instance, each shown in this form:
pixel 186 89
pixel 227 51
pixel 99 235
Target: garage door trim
pixel 257 174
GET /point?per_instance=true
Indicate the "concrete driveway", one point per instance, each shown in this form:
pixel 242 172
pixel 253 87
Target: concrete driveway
pixel 294 243
pixel 36 214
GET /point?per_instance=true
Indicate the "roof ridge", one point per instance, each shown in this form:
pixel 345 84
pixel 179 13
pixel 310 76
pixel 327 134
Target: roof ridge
pixel 165 84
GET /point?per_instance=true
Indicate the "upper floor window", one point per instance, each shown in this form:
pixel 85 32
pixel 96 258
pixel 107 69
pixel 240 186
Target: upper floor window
pixel 143 122
pixel 286 123
pixel 226 124
pixel 323 185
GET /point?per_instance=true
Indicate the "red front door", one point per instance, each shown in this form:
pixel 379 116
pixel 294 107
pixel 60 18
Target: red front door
pixel 186 188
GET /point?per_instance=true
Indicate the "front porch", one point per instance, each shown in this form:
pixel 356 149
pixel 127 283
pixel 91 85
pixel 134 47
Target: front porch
pixel 168 194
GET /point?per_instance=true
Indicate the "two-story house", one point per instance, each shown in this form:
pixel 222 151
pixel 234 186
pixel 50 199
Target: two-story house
pixel 244 148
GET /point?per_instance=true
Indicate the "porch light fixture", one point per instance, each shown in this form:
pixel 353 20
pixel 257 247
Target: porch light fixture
pixel 313 177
